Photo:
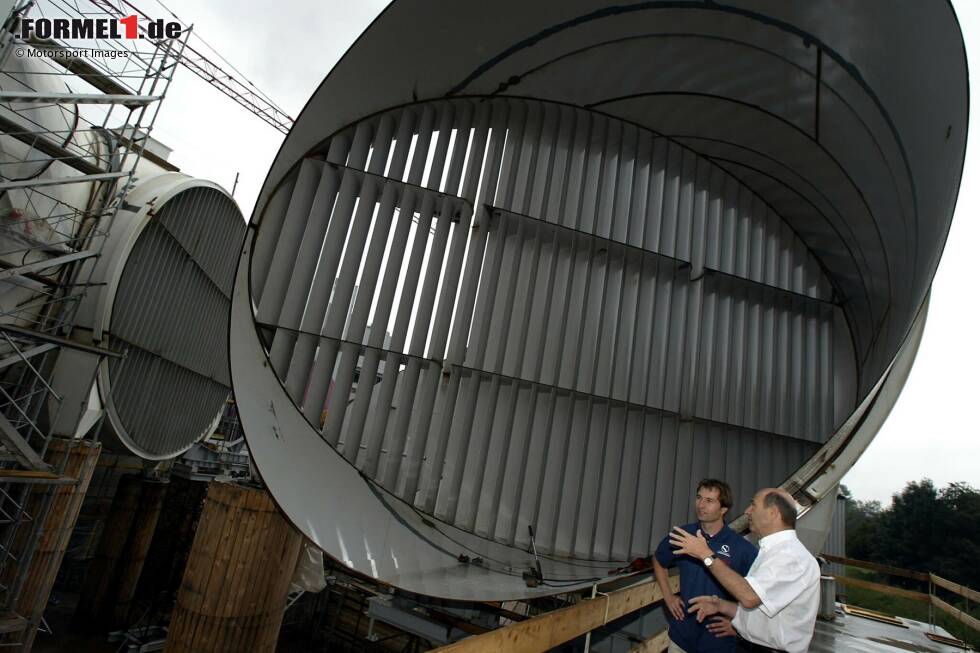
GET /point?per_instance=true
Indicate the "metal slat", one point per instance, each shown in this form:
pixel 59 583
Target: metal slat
pixel 479 345
pixel 474 456
pixel 473 279
pixel 397 423
pixel 512 296
pixel 479 183
pixel 301 362
pixel 525 468
pixel 269 226
pixel 604 515
pixel 461 429
pixel 573 468
pixel 581 526
pixel 436 275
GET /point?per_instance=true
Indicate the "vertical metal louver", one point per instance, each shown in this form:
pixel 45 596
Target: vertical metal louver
pixel 168 276
pixel 512 312
pixel 539 266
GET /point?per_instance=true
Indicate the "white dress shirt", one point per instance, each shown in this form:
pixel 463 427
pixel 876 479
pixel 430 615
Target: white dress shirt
pixel 787 580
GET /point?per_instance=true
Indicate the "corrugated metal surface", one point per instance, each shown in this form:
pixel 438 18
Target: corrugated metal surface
pixel 567 320
pixel 170 315
pixel 807 104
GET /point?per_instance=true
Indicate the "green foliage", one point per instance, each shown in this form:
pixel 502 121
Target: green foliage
pixel 861 526
pixel 924 528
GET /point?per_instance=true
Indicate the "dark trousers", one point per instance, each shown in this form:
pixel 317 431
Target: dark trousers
pixel 745 646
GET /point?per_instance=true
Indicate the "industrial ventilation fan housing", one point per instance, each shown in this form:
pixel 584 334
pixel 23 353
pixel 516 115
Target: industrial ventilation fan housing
pixel 538 277
pixel 161 298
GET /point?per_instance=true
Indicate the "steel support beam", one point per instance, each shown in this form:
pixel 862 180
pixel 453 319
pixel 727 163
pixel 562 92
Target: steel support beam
pixel 21 270
pixel 57 340
pixel 19 447
pixel 81 179
pixel 125 99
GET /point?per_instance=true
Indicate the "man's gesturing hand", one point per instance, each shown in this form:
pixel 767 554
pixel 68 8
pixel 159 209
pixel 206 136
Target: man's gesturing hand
pixel 675 605
pixel 721 627
pixel 705 606
pixel 687 544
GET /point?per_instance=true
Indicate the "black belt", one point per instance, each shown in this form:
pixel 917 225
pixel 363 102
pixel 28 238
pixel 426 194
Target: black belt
pixel 745 646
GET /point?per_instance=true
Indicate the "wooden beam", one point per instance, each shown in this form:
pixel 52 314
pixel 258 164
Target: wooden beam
pixel 956 588
pixel 884 589
pixel 545 632
pixel 656 644
pixel 873 566
pixel 956 613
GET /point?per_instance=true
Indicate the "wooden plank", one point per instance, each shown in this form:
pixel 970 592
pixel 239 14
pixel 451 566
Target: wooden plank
pixel 884 589
pixel 873 615
pixel 34 476
pixel 956 588
pixel 546 631
pixel 873 566
pixel 956 613
pixel 27 473
pixel 656 644
pixel 949 641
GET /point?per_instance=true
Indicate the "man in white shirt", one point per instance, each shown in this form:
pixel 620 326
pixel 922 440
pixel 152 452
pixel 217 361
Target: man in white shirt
pixel 776 602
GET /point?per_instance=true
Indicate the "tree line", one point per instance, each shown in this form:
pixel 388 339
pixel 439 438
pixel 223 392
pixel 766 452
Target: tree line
pixel 925 529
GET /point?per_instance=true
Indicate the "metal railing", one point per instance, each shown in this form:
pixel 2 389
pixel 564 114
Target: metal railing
pixel 929 597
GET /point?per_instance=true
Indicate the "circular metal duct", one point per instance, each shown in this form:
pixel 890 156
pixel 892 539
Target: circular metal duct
pixel 162 296
pixel 553 278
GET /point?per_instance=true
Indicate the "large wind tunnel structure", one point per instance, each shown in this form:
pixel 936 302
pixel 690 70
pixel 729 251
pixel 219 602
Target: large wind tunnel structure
pixel 546 264
pixel 162 296
pixel 149 283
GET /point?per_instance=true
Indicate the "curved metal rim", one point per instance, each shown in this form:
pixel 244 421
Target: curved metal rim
pixel 172 183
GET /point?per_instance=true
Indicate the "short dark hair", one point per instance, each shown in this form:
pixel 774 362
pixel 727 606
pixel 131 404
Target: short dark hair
pixel 785 507
pixel 724 492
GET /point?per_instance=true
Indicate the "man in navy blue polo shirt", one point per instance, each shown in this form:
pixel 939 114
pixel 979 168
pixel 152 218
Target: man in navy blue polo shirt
pixel 687 635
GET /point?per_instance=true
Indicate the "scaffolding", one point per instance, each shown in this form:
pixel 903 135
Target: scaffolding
pixel 76 118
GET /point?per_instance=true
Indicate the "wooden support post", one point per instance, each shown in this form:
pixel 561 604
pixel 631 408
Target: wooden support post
pixel 234 589
pixel 546 631
pixel 171 545
pixel 110 582
pixel 56 528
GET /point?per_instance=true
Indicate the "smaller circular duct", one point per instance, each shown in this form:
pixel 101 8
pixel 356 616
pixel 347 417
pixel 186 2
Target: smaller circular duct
pixel 161 295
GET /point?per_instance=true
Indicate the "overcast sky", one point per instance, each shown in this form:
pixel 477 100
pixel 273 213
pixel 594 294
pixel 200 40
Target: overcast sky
pixel 287 48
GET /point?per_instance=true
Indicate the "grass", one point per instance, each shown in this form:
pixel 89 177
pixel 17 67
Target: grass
pixel 902 607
